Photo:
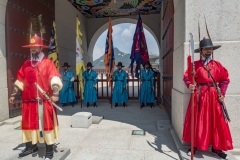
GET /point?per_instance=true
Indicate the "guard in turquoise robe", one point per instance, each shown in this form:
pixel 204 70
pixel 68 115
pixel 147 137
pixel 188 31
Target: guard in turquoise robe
pixel 120 94
pixel 67 94
pixel 147 86
pixel 90 80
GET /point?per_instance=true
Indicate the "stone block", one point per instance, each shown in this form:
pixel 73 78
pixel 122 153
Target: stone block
pixel 81 120
pixel 59 154
pixel 4 110
pixel 3 2
pixel 3 71
pixel 2 41
pixel 96 119
pixel 2 14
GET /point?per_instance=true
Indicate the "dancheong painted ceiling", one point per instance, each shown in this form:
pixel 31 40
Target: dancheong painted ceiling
pixel 113 8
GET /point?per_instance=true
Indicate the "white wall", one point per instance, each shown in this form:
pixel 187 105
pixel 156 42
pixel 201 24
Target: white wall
pixel 224 26
pixel 4 110
pixel 65 17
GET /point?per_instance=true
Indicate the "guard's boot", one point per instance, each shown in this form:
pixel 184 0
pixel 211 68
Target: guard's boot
pixel 87 105
pixel 116 104
pixel 64 105
pixel 142 105
pixel 151 105
pixel 72 104
pixel 194 151
pixel 30 148
pixel 49 152
pixel 95 105
pixel 124 104
pixel 220 153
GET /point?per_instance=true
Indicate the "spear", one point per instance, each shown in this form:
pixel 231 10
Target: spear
pixel 191 78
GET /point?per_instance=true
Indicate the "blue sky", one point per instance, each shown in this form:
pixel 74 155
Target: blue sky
pixel 122 39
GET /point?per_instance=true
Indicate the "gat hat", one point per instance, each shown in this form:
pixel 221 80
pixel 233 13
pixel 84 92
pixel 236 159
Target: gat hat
pixel 147 63
pixel 89 64
pixel 65 64
pixel 35 41
pixel 205 43
pixel 120 64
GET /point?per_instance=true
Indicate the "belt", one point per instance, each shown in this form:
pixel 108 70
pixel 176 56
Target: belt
pixel 206 84
pixel 89 80
pixel 31 100
pixel 145 80
pixel 66 81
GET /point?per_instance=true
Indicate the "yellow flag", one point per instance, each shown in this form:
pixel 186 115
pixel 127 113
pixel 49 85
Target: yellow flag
pixel 80 67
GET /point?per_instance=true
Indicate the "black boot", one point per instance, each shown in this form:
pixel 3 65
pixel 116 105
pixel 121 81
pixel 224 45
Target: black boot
pixel 95 105
pixel 30 148
pixel 151 105
pixel 87 105
pixel 116 104
pixel 124 104
pixel 142 105
pixel 64 104
pixel 194 151
pixel 72 104
pixel 49 152
pixel 220 153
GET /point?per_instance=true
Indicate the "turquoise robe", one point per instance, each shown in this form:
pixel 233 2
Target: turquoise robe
pixel 120 94
pixel 146 92
pixel 90 80
pixel 67 94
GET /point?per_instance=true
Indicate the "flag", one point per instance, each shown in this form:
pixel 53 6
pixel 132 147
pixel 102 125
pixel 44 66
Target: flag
pixel 139 53
pixel 80 67
pixel 53 50
pixel 109 60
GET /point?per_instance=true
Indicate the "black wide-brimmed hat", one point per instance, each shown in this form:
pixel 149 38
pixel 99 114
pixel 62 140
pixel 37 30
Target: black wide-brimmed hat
pixel 65 64
pixel 89 64
pixel 120 64
pixel 147 63
pixel 206 43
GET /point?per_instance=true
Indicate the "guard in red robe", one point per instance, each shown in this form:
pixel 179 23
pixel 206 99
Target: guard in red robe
pixel 39 116
pixel 210 126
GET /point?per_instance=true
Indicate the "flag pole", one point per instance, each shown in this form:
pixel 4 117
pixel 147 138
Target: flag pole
pixel 192 97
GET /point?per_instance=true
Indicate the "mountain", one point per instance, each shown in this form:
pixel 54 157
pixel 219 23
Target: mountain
pixel 119 57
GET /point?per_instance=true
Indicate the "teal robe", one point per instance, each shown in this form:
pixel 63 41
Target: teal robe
pixel 90 80
pixel 146 92
pixel 67 94
pixel 120 94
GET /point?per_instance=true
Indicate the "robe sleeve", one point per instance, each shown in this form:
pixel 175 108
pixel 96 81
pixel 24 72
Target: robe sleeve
pixel 186 79
pixel 53 75
pixel 95 78
pixel 152 78
pixel 20 78
pixel 125 79
pixel 224 81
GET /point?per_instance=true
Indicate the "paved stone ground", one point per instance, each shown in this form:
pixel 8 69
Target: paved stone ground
pixel 111 139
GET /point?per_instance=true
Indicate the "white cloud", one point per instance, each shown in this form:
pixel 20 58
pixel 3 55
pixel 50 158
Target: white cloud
pixel 128 33
pixel 98 52
pixel 116 29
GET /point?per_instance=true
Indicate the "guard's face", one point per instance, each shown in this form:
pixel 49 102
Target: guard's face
pixel 207 52
pixel 146 66
pixel 35 52
pixel 119 67
pixel 89 67
pixel 65 67
pixel 35 49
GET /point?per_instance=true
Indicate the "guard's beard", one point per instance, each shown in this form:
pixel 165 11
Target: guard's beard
pixel 34 55
pixel 208 54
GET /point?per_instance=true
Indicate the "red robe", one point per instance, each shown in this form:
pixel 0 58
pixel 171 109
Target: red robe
pixel 42 74
pixel 210 128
